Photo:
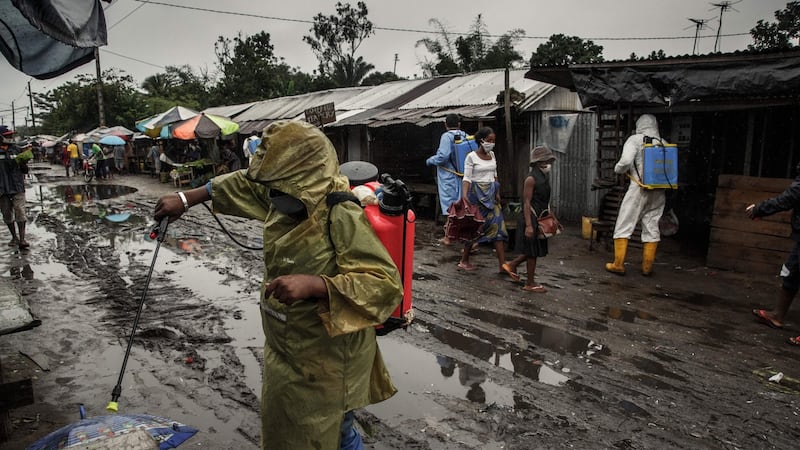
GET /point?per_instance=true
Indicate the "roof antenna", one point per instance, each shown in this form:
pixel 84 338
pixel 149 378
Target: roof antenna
pixel 723 6
pixel 699 24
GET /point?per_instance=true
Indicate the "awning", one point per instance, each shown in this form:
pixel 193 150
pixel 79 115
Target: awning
pixel 675 81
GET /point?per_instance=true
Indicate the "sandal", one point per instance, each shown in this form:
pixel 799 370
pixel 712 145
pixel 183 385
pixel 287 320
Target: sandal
pixel 537 288
pixel 762 317
pixel 794 340
pixel 467 267
pixel 507 269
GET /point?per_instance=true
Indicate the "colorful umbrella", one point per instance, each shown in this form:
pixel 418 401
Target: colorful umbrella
pixel 118 431
pixel 158 125
pixel 110 139
pixel 204 126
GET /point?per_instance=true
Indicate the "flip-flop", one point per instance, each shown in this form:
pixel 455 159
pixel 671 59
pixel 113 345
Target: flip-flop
pixel 761 317
pixel 467 267
pixel 507 269
pixel 538 288
pixel 794 340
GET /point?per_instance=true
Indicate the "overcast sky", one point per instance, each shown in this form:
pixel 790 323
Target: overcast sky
pixel 144 37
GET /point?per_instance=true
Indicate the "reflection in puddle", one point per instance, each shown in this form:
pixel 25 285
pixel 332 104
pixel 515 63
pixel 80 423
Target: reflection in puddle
pixel 541 335
pixel 627 315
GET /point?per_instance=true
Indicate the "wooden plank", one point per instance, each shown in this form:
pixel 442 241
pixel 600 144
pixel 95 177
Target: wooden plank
pixel 735 201
pixel 745 183
pixel 749 240
pixel 773 257
pixel 740 265
pixel 745 225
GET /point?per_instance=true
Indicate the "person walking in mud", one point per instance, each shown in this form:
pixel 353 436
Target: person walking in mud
pixel 640 205
pixel 322 293
pixel 480 187
pixel 790 271
pixel 13 168
pixel 536 198
pixel 448 180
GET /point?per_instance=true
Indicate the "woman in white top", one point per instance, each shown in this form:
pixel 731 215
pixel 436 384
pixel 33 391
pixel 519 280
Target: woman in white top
pixel 480 187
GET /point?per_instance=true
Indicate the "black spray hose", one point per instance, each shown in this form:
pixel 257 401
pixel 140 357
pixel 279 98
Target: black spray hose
pixel 159 234
pixel 228 232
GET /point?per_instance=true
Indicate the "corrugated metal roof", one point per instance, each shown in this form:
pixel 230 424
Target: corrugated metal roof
pixel 480 88
pixel 228 111
pixel 291 107
pixel 379 95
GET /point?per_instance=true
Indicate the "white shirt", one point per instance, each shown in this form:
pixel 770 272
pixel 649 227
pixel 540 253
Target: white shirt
pixel 477 170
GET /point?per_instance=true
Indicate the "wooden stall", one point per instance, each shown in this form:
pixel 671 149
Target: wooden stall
pixel 744 245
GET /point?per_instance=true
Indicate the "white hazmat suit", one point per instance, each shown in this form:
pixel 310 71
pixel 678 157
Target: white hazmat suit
pixel 639 204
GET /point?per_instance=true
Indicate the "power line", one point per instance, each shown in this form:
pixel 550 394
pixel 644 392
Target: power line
pixel 411 30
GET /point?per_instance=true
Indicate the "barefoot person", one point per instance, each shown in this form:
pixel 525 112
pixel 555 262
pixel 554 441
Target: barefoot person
pixel 790 272
pixel 536 196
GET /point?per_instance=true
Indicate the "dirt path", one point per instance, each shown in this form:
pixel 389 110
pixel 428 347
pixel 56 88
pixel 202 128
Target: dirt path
pixel 600 361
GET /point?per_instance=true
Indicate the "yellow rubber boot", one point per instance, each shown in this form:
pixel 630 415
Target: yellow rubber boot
pixel 618 266
pixel 648 256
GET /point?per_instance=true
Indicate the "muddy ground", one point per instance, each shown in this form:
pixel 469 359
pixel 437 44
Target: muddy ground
pixel 599 361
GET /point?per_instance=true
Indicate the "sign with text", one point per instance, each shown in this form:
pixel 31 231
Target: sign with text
pixel 320 115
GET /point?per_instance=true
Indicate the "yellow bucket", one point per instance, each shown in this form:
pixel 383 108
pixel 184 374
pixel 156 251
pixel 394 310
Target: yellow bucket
pixel 586 227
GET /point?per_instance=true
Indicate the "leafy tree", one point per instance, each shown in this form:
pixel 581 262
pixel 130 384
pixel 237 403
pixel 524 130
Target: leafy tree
pixel 176 86
pixel 777 35
pixel 443 50
pixel 561 50
pixel 654 55
pixel 335 42
pixel 250 71
pixel 376 78
pixel 73 105
pixel 471 52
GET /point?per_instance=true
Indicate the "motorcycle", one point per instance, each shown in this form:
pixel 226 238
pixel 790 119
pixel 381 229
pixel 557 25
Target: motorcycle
pixel 88 169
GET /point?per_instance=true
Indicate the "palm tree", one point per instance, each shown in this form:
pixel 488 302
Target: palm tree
pixel 159 85
pixel 349 71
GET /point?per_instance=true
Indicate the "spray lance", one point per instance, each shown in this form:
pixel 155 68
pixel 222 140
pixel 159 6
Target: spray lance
pixel 158 233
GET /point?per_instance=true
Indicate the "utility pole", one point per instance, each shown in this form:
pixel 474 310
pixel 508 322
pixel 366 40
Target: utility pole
pixel 394 71
pixel 507 112
pixel 33 116
pixel 13 120
pixel 100 109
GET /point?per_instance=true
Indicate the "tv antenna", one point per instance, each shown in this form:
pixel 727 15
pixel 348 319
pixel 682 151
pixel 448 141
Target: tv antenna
pixel 723 6
pixel 699 24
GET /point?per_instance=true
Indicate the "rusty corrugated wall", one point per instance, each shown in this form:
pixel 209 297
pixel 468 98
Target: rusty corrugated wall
pixel 574 170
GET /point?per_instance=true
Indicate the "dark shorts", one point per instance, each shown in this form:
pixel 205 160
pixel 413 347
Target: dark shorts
pixel 790 272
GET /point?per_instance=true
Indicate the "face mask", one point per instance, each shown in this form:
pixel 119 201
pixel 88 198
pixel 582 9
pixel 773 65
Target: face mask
pixel 546 168
pixel 488 146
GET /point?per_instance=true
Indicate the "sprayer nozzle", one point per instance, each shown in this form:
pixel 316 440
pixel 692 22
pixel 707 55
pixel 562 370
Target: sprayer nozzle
pixel 153 235
pixel 112 407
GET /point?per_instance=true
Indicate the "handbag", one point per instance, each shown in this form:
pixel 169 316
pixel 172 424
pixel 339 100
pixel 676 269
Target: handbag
pixel 548 224
pixel 464 221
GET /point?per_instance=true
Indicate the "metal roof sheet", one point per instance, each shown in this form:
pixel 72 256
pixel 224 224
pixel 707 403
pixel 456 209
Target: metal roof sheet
pixel 293 106
pixel 228 111
pixel 480 88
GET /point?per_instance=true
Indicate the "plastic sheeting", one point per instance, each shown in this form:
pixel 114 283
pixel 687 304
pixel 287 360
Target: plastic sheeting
pixel 47 38
pixel 679 80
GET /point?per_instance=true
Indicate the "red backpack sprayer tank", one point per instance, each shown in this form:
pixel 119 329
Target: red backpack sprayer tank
pixel 390 214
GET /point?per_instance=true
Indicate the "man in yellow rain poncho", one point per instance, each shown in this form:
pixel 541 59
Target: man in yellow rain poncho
pixel 326 285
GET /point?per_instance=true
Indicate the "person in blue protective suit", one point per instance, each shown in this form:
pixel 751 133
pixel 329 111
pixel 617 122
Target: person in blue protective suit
pixel 328 281
pixel 639 204
pixel 448 178
pixel 790 272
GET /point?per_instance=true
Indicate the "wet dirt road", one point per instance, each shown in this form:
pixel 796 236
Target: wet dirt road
pixel 599 361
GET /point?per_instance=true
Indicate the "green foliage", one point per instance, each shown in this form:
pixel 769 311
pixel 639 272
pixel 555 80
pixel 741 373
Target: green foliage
pixel 561 50
pixel 336 39
pixel 73 105
pixel 471 52
pixel 376 78
pixel 251 71
pixel 777 35
pixel 654 55
pixel 176 86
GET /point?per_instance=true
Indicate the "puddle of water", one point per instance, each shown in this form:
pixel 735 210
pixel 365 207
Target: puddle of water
pixel 654 368
pixel 627 315
pixel 417 372
pixel 541 335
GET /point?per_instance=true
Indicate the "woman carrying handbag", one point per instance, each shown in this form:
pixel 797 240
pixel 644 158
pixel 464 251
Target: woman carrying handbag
pixel 536 196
